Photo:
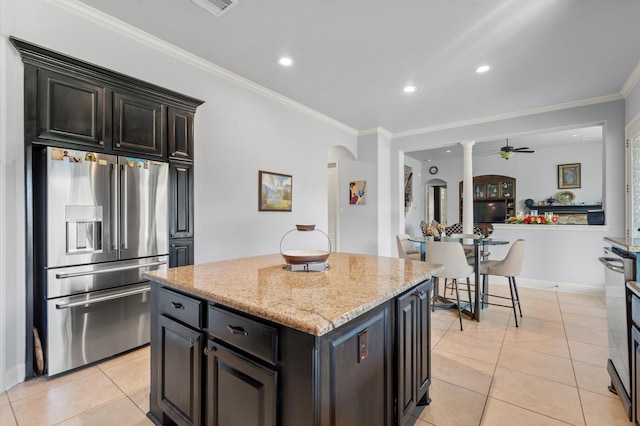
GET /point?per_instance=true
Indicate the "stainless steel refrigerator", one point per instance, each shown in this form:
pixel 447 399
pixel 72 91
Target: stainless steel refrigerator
pixel 105 222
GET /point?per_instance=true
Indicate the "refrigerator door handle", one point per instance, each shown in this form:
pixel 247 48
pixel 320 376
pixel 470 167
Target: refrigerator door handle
pixel 105 298
pixel 123 211
pixel 106 271
pixel 113 201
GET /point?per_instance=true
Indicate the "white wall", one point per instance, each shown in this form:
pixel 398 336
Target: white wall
pixel 359 222
pixel 239 130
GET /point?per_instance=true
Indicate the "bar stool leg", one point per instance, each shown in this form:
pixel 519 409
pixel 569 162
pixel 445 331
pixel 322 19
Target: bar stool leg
pixel 473 313
pixel 436 283
pixel 455 283
pixel 513 301
pixel 515 287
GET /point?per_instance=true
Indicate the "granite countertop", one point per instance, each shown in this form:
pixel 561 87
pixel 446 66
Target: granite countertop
pixel 312 302
pixel 629 244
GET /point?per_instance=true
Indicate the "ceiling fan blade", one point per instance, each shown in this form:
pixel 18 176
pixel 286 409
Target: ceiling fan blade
pixel 528 151
pixel 521 148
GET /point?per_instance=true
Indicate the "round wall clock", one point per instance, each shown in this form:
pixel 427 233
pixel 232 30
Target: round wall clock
pixel 433 170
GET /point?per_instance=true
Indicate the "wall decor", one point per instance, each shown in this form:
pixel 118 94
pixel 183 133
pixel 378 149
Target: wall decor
pixel 568 175
pixel 566 197
pixel 274 192
pixel 357 194
pixel 408 188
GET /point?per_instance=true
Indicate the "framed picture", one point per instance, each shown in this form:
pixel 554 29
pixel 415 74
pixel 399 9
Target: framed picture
pixel 274 192
pixel 568 175
pixel 357 194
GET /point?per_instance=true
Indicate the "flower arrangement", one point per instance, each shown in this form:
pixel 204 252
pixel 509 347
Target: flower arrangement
pixel 534 220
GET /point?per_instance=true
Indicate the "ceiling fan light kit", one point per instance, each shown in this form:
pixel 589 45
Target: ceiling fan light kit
pixel 507 151
pixel 506 154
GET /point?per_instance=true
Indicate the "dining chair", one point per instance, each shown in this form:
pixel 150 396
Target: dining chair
pixel 406 249
pixel 451 255
pixel 509 267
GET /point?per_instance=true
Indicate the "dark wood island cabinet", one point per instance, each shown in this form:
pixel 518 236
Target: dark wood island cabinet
pixel 247 342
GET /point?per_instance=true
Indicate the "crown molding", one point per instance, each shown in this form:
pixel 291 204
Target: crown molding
pixel 515 114
pixel 147 39
pixel 375 131
pixel 633 79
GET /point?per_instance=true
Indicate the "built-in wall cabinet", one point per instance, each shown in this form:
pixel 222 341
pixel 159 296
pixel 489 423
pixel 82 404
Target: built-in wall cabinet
pixel 494 199
pixel 73 104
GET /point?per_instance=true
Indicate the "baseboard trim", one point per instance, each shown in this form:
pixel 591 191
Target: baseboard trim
pixel 590 290
pixel 13 376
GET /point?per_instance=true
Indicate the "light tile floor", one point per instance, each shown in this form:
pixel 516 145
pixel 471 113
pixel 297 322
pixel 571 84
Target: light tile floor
pixel 549 371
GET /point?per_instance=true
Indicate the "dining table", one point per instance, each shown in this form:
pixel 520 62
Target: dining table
pixel 480 245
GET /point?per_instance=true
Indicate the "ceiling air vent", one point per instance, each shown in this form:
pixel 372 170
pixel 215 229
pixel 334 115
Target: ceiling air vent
pixel 216 7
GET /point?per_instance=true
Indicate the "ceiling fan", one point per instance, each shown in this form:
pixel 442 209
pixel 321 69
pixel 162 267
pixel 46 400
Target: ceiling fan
pixel 507 151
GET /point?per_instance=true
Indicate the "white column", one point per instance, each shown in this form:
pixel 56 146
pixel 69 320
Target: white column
pixel 467 188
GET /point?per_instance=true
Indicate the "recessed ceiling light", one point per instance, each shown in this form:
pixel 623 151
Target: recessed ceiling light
pixel 285 62
pixel 409 89
pixel 482 69
pixel 448 151
pixel 575 135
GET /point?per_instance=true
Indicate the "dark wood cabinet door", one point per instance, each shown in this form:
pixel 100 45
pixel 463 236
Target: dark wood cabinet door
pixel 138 124
pixel 180 200
pixel 414 358
pixel 180 133
pixel 180 252
pixel 180 362
pixel 70 109
pixel 423 342
pixel 357 377
pixel 239 391
pixel 407 327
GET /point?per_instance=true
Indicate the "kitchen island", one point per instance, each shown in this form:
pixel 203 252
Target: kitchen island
pixel 246 341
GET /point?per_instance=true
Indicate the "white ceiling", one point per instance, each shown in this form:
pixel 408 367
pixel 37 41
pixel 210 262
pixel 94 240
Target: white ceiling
pixel 353 57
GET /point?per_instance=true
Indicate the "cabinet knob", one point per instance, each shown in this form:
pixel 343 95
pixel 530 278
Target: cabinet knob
pixel 208 350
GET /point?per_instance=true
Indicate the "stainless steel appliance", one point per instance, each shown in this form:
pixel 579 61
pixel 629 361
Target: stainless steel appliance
pixel 619 268
pixel 105 220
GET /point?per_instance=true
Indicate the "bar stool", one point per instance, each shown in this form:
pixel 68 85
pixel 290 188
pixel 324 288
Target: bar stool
pixel 509 267
pixel 451 255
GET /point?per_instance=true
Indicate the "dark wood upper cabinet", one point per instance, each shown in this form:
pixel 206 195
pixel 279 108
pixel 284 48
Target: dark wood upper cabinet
pixel 180 133
pixel 70 109
pixel 72 102
pixel 138 124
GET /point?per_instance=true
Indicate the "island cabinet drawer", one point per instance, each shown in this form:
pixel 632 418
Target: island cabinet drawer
pixel 180 307
pixel 253 337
